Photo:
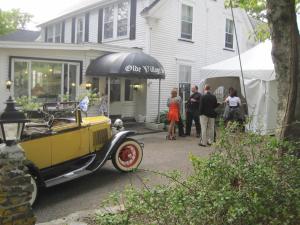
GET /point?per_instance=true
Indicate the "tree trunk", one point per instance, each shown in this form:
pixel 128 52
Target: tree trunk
pixel 282 21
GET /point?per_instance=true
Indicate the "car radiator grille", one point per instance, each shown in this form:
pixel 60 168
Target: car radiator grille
pixel 100 137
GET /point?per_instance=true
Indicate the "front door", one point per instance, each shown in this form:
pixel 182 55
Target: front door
pixel 123 95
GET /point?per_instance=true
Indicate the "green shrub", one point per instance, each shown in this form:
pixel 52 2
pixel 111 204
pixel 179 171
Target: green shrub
pixel 244 182
pixel 28 104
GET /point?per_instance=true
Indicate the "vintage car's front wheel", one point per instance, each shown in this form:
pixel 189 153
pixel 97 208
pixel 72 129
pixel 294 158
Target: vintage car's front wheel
pixel 128 155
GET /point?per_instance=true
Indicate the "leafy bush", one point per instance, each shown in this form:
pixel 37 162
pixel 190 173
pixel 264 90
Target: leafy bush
pixel 163 117
pixel 93 96
pixel 245 182
pixel 28 104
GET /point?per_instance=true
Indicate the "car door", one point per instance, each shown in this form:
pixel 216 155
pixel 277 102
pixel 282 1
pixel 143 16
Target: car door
pixel 38 151
pixel 66 143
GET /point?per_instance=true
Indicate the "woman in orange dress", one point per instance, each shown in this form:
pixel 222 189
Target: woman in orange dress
pixel 173 115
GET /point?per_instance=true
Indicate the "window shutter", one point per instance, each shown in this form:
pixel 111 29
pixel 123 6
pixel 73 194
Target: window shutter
pixel 63 32
pixel 132 20
pixel 87 27
pixel 73 30
pixel 46 34
pixel 100 25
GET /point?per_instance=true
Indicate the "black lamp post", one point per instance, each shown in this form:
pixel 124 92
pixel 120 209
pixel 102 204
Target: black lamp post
pixel 12 123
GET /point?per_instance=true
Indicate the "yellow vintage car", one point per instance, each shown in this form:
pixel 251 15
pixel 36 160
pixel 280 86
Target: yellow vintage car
pixel 63 149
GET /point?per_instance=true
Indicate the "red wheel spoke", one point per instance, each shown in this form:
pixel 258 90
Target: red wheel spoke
pixel 128 156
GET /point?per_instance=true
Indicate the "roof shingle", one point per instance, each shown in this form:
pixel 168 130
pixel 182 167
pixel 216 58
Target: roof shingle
pixel 21 36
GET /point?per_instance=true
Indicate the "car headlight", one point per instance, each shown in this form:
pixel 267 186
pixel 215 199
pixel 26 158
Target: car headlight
pixel 118 123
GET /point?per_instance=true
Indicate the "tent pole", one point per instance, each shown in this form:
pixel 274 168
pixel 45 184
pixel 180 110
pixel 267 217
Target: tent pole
pixel 238 48
pixel 108 96
pixel 159 90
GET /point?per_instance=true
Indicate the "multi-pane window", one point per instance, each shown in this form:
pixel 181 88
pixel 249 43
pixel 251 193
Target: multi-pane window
pixel 128 90
pixel 122 19
pixel 79 30
pixel 108 22
pixel 50 34
pixel 186 22
pixel 116 20
pixel 229 33
pixel 58 33
pixel 46 80
pixel 184 75
pixel 115 90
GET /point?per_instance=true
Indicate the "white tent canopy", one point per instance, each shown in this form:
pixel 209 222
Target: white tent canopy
pixel 256 62
pixel 259 80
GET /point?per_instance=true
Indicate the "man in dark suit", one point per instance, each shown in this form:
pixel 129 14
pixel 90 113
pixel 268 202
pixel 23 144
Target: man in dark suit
pixel 192 111
pixel 207 116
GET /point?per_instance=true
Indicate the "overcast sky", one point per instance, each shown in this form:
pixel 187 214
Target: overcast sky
pixel 41 9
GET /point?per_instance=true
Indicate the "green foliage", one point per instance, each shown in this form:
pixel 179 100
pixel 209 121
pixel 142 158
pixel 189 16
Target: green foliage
pixel 28 104
pixel 12 20
pixel 93 96
pixel 245 181
pixel 163 117
pixel 64 97
pixel 256 8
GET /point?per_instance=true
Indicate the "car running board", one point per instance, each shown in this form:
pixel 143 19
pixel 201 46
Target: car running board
pixel 82 171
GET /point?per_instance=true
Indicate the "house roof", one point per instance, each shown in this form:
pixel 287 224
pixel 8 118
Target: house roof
pixel 21 36
pixel 81 7
pixel 65 46
pixel 148 8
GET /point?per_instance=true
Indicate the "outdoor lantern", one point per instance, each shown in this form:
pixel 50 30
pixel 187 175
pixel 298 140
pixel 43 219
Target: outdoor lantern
pixel 88 86
pixel 137 87
pixel 8 84
pixel 12 123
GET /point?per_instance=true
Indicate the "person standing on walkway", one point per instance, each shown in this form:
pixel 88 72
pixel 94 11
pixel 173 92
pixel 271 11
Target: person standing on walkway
pixel 179 123
pixel 173 114
pixel 208 114
pixel 192 111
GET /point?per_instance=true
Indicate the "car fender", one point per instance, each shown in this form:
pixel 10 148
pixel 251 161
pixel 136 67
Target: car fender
pixel 109 149
pixel 34 171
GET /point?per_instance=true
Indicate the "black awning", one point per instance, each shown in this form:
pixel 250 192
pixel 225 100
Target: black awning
pixel 137 65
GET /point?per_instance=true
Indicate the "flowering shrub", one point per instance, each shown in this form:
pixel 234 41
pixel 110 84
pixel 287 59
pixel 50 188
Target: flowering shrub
pixel 244 182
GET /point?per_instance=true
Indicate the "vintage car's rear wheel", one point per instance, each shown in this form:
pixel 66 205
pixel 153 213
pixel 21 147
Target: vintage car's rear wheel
pixel 35 190
pixel 128 155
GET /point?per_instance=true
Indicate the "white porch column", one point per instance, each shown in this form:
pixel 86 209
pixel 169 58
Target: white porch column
pixel 108 96
pixel 159 90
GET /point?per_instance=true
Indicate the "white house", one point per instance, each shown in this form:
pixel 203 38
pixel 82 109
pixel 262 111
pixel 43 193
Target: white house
pixel 183 35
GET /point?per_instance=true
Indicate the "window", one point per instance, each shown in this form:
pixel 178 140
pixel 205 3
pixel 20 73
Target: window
pixel 58 33
pixel 70 74
pixel 115 90
pixel 229 34
pixel 116 20
pixel 185 74
pixel 187 22
pixel 108 22
pixel 122 19
pixel 46 80
pixel 79 30
pixel 128 90
pixel 50 34
pixel 21 70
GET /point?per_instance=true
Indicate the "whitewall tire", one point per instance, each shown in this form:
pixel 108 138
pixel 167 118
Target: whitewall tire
pixel 128 156
pixel 35 190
